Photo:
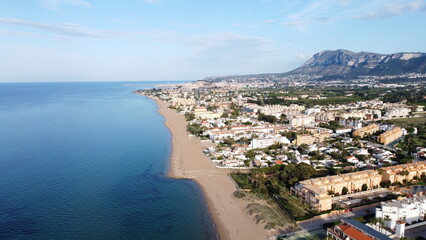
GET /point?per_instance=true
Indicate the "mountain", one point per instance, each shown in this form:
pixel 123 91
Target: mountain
pixel 346 63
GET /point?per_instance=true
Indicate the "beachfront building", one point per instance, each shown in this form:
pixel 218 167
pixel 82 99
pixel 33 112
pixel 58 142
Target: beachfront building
pixel 316 197
pixel 409 209
pixel 354 230
pixel 238 132
pixel 365 131
pixel 313 190
pixel 406 172
pixel 390 136
pixel 203 113
pixel 268 141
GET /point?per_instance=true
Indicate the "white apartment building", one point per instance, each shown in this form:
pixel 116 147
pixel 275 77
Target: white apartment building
pixel 397 112
pixel 408 209
pixel 268 141
pixel 300 120
pixel 277 110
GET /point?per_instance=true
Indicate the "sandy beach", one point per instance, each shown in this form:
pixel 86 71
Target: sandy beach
pixel 188 161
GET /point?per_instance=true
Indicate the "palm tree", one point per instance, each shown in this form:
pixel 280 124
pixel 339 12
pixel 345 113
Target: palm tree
pixel 387 220
pixel 381 223
pixel 374 221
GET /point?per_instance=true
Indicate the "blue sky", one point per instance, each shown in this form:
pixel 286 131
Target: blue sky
pixel 136 40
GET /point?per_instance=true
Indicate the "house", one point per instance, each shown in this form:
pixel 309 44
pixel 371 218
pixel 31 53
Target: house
pixel 409 209
pixel 354 230
pixel 352 159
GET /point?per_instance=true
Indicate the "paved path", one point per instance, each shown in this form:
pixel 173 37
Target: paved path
pixel 317 223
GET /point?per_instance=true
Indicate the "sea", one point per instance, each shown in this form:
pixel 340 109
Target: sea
pixel 89 161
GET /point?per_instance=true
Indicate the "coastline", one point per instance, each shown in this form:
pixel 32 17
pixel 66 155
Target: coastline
pixel 188 161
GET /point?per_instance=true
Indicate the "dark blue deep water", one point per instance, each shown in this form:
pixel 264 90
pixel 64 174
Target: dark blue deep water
pixel 88 161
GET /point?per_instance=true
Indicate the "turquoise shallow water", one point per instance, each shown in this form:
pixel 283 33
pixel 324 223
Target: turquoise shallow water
pixel 88 161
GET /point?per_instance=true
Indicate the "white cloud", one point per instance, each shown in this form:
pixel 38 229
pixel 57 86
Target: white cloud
pixel 395 9
pixel 231 47
pixel 302 57
pixel 152 1
pixel 293 23
pixel 55 4
pixel 15 33
pixel 185 25
pixel 65 29
pixel 268 21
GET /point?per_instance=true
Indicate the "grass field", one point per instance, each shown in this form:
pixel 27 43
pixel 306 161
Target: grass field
pixel 415 121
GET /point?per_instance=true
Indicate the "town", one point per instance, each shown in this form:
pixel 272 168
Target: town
pixel 317 150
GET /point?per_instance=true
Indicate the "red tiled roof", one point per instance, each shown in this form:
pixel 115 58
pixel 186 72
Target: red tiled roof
pixel 353 233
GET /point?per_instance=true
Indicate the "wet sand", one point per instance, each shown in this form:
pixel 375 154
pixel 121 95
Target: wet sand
pixel 188 161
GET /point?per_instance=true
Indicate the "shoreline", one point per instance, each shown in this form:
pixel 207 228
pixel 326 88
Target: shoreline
pixel 187 161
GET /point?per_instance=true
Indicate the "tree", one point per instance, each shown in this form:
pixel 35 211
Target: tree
pixel 345 190
pixel 410 130
pixel 364 187
pixel 303 148
pixel 381 223
pixel 387 219
pixel 189 116
pixel 305 171
pixel 374 221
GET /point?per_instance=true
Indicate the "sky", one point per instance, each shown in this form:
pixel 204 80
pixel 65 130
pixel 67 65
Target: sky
pixel 142 40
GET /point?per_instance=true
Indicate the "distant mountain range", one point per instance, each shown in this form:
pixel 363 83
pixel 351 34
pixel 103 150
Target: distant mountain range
pixel 346 63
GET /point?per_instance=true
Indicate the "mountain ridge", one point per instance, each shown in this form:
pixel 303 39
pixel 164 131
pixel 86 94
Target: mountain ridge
pixel 348 63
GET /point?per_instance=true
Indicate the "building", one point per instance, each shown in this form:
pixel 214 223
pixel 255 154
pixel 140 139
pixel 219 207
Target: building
pixel 390 136
pixel 304 139
pixel 409 209
pixel 401 112
pixel 316 197
pixel 365 131
pixel 268 141
pixel 354 230
pixel 312 190
pixel 315 191
pixel 343 131
pixel 201 112
pixel 300 120
pixel 399 173
pixel 277 110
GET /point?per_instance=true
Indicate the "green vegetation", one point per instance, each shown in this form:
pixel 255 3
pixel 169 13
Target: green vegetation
pixel 267 118
pixel 412 141
pixel 275 182
pixel 333 125
pixel 195 129
pixel 264 210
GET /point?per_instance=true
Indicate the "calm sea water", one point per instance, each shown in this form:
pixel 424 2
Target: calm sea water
pixel 88 161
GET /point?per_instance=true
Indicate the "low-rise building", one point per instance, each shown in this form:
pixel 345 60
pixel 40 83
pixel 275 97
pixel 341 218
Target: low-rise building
pixel 365 131
pixel 390 136
pixel 407 172
pixel 312 190
pixel 300 120
pixel 397 112
pixel 409 209
pixel 354 230
pixel 268 141
pixel 304 139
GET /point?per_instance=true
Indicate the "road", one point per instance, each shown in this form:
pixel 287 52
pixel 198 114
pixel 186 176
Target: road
pixel 317 223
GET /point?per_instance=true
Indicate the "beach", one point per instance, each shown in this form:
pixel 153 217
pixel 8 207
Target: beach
pixel 188 161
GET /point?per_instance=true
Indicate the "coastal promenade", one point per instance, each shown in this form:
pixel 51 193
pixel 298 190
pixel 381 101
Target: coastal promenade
pixel 188 161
